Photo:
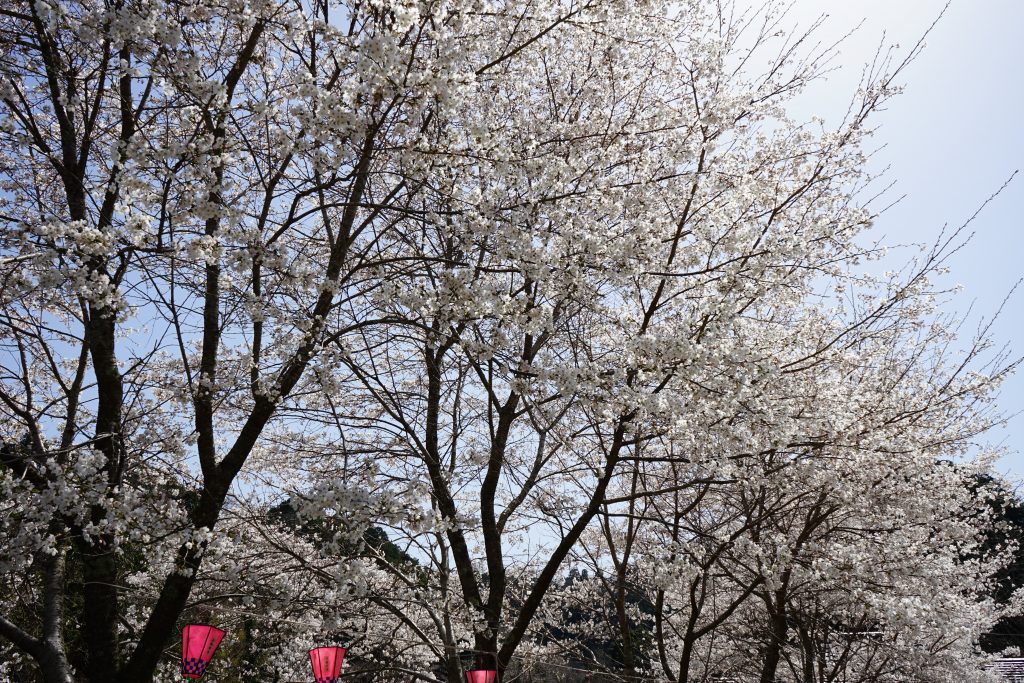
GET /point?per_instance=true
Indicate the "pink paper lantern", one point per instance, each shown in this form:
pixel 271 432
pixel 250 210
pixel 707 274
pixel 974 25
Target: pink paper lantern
pixel 481 676
pixel 327 663
pixel 198 643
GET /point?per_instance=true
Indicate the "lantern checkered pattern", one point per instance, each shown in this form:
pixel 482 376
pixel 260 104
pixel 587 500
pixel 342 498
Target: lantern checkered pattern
pixel 198 643
pixel 327 663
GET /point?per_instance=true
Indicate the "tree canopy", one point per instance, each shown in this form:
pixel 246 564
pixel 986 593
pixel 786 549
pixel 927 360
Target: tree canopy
pixel 472 333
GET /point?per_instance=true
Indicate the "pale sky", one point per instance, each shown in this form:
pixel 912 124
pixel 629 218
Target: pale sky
pixel 951 139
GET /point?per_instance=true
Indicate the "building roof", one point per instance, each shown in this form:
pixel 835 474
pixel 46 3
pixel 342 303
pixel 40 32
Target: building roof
pixel 1010 669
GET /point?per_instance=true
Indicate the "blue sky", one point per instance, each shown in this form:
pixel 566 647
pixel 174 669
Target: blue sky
pixel 951 140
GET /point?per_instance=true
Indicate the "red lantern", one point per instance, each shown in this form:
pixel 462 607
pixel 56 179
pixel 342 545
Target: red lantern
pixel 481 676
pixel 198 643
pixel 327 663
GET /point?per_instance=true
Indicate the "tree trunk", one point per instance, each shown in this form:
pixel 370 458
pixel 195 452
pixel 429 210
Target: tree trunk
pixel 685 657
pixel 54 665
pixel 691 635
pixel 777 631
pixel 808 659
pixel 99 563
pixel 628 656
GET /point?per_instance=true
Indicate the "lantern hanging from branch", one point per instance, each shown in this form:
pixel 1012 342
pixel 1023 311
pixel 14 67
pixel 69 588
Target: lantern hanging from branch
pixel 327 663
pixel 481 676
pixel 198 643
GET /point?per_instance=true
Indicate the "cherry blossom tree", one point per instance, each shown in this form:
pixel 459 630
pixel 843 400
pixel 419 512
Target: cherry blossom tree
pixel 812 555
pixel 191 184
pixel 486 278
